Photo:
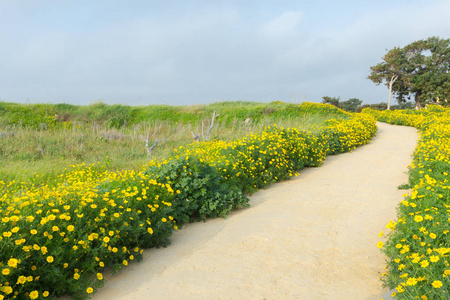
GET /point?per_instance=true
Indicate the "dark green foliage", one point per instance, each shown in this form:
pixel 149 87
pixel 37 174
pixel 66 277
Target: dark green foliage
pixel 201 190
pixel 351 104
pixel 331 100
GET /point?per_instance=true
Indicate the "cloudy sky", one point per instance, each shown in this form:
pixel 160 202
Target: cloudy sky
pixel 141 52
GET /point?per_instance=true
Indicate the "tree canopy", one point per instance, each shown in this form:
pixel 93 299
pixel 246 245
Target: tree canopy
pixel 420 70
pixel 350 105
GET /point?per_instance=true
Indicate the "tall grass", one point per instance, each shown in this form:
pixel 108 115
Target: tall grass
pixel 45 145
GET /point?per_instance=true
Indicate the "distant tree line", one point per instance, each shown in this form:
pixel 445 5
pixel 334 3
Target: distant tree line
pixel 355 105
pixel 351 104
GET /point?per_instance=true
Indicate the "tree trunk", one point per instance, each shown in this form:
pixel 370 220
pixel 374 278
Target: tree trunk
pixel 391 82
pixel 417 100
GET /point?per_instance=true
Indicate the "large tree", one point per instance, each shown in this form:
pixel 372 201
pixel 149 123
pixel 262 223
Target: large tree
pixel 331 100
pixel 420 69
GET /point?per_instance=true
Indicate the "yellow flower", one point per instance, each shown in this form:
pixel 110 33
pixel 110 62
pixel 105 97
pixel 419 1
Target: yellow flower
pixel 437 284
pixel 33 231
pixel 424 263
pixel 50 259
pixel 34 294
pixel 45 294
pixel 5 271
pixel 418 218
pixel 434 258
pixel 164 220
pixel 12 262
pixel 99 276
pixel 125 263
pixel 380 245
pixel 21 280
pixel 7 290
pixel 70 228
pixel 76 276
pixel 89 290
pixel 432 235
pixel 411 281
pixel 106 239
pixel 150 230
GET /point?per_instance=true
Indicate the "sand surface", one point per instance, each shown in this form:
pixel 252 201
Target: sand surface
pixel 312 237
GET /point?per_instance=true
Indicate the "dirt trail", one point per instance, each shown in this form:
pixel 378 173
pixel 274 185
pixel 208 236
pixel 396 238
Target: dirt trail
pixel 312 237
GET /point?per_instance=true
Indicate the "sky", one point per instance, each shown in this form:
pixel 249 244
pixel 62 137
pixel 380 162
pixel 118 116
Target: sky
pixel 143 52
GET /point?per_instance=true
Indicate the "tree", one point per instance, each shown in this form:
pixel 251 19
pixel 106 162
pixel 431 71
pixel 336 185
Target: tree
pixel 351 104
pixel 420 69
pixel 331 100
pixel 392 69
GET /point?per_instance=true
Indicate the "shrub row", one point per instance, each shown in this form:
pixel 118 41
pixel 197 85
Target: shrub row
pixel 418 244
pixel 213 177
pixel 57 240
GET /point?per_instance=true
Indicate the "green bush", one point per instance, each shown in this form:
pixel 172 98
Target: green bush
pixel 201 192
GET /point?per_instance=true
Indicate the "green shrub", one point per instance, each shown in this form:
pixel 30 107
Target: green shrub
pixel 201 192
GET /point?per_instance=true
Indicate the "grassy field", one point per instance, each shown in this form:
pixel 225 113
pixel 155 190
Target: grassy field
pixel 45 139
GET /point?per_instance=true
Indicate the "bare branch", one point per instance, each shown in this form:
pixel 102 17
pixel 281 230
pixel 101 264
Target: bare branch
pixel 212 125
pixel 203 130
pixel 149 150
pixel 196 137
pixel 147 147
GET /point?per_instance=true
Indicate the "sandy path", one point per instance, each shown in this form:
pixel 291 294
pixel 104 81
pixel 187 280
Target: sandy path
pixel 312 237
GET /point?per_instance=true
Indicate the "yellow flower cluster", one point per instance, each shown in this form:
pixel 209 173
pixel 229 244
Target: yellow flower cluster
pixel 419 244
pixel 53 238
pixel 278 153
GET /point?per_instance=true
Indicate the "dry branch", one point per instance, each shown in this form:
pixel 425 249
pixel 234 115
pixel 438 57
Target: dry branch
pixel 147 146
pixel 205 137
pixel 196 137
pixel 210 127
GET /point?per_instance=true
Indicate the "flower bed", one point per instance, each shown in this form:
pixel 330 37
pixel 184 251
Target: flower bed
pixel 418 245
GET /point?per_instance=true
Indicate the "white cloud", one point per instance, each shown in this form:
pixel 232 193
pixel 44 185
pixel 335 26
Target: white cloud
pixel 285 25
